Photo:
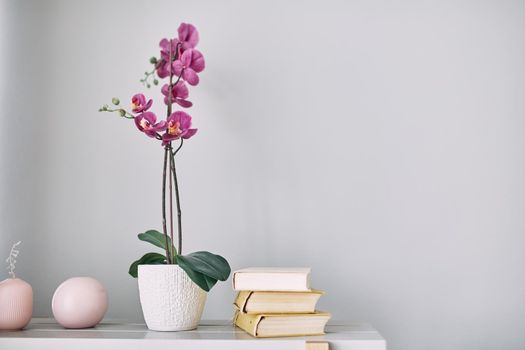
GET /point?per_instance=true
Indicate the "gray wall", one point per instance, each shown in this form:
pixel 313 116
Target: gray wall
pixel 380 143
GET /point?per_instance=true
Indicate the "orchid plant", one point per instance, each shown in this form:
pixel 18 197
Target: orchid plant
pixel 180 64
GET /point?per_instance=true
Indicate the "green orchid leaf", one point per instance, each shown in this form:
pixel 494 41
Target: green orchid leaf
pixel 210 282
pixel 157 239
pixel 147 259
pixel 208 264
pixel 204 282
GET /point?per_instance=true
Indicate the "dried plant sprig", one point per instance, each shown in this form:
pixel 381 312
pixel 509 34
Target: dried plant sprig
pixel 11 260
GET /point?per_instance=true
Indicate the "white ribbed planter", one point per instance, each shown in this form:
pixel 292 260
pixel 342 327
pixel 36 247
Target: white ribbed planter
pixel 169 298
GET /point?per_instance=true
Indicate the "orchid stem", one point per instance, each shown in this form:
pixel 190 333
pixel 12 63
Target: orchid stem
pixel 180 146
pixel 169 150
pixel 126 113
pixel 144 81
pixel 171 204
pixel 177 196
pixel 168 256
pixel 170 85
pixel 178 79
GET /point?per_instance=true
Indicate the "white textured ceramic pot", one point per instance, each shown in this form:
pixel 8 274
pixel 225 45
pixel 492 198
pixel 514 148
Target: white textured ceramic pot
pixel 170 300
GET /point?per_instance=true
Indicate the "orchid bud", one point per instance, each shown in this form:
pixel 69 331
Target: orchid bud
pixel 122 112
pixel 153 60
pixel 155 82
pixel 115 101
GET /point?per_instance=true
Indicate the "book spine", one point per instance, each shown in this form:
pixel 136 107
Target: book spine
pixel 248 323
pixel 242 300
pixel 233 280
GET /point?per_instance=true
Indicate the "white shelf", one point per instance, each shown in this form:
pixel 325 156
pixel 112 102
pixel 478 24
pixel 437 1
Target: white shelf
pixel 45 334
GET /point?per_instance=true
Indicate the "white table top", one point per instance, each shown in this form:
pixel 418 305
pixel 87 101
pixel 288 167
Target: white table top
pixel 44 334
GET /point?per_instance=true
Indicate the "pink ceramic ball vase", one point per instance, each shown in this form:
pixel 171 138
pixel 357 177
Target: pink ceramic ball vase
pixel 16 304
pixel 80 302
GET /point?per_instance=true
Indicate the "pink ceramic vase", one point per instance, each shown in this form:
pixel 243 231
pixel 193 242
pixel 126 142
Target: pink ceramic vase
pixel 16 304
pixel 80 302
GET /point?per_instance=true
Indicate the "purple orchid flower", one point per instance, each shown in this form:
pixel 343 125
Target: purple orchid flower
pixel 163 69
pixel 179 94
pixel 167 47
pixel 139 104
pixel 189 64
pixel 188 36
pixel 147 123
pixel 178 126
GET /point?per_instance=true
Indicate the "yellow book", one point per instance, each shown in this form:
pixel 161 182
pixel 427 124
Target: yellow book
pixel 282 325
pixel 257 302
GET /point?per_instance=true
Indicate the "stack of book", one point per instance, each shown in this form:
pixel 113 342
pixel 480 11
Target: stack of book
pixel 277 302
